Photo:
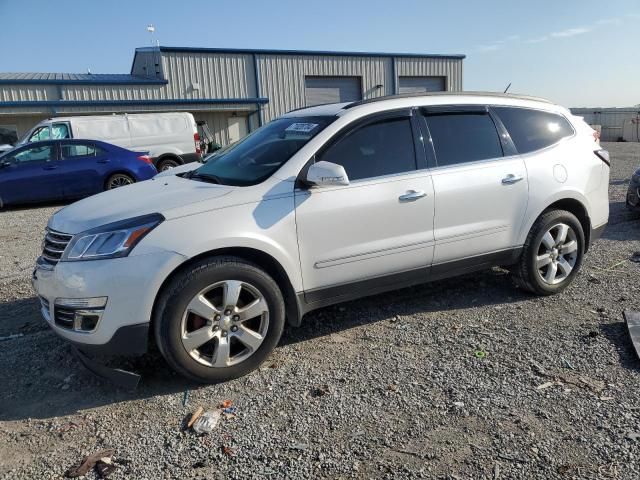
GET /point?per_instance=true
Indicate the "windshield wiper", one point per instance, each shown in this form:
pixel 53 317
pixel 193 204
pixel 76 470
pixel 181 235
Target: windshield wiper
pixel 207 177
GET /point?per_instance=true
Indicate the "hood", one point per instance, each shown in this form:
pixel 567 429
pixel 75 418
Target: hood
pixel 187 167
pixel 158 195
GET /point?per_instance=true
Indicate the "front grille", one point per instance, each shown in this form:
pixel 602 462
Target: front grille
pixel 53 246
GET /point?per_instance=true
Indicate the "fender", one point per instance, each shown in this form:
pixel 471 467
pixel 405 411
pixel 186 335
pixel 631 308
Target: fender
pixel 536 207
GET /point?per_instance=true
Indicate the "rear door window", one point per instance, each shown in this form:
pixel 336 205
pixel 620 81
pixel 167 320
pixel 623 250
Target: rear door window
pixel 383 147
pixel 462 137
pixel 533 130
pixel 77 150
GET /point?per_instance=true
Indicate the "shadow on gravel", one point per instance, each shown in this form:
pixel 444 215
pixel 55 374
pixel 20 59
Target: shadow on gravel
pixel 20 317
pixel 618 335
pixel 35 369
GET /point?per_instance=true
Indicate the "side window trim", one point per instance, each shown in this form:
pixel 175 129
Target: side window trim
pixel 403 113
pixel 461 110
pixel 508 147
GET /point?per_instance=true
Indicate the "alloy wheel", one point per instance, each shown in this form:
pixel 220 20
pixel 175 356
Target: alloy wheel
pixel 225 323
pixel 557 254
pixel 119 181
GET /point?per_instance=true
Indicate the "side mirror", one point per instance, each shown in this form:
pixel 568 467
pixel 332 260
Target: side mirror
pixel 326 174
pixel 4 163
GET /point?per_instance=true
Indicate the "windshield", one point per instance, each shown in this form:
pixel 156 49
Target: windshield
pixel 257 156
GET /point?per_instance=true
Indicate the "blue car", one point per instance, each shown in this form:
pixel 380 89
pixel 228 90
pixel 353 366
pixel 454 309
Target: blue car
pixel 68 169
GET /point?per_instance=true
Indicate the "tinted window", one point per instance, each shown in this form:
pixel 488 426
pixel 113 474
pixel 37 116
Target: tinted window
pixel 258 155
pixel 463 137
pixel 71 150
pixel 376 149
pixel 532 129
pixel 34 154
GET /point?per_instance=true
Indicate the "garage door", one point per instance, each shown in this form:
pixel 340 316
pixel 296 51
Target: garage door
pixel 332 89
pixel 421 84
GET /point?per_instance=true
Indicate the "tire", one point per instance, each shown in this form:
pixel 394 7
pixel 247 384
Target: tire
pixel 177 327
pixel 544 244
pixel 118 180
pixel 167 163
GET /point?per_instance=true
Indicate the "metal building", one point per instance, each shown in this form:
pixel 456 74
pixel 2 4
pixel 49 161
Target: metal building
pixel 618 124
pixel 234 90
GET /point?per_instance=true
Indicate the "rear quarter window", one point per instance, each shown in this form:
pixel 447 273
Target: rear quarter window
pixel 533 130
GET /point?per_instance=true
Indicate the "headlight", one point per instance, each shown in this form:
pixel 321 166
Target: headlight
pixel 110 241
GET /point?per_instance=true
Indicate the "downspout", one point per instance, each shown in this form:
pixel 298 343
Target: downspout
pixel 394 87
pixel 257 80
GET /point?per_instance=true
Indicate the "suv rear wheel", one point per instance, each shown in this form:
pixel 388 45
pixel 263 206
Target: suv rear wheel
pixel 552 253
pixel 219 319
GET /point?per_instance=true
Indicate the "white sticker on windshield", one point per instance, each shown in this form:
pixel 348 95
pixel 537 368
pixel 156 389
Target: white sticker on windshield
pixel 301 127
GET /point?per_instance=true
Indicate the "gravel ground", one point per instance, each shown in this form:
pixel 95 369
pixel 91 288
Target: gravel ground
pixel 386 387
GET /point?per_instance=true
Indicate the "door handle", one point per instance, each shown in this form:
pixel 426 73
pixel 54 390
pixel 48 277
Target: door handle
pixel 50 167
pixel 106 160
pixel 412 195
pixel 511 179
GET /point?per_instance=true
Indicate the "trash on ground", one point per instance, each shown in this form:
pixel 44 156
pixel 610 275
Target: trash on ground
pixel 320 391
pixel 185 398
pixel 91 461
pixel 230 411
pixel 11 337
pixel 480 354
pixel 199 411
pixel 228 451
pixel 226 404
pixel 545 385
pixel 207 422
pixel 632 318
pixel 567 364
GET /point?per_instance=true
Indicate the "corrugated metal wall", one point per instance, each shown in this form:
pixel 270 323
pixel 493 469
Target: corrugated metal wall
pixel 282 77
pixel 611 119
pixel 29 93
pixel 432 67
pixel 218 75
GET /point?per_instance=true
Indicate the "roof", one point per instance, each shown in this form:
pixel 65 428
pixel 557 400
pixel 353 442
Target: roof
pixel 78 79
pixel 298 52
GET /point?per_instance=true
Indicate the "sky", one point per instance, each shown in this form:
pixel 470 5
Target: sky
pixel 574 52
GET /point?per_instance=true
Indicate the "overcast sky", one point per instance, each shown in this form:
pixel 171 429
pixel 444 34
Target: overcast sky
pixel 575 52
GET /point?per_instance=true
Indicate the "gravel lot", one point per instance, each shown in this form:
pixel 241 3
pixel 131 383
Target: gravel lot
pixel 386 387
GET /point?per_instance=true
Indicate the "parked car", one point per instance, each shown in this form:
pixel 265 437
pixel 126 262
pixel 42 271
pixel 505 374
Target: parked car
pixel 633 193
pixel 170 138
pixel 68 169
pixel 325 204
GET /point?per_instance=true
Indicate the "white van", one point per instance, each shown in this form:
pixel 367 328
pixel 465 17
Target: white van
pixel 170 138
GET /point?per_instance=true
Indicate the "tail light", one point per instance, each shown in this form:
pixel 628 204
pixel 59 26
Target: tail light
pixel 145 159
pixel 196 140
pixel 604 156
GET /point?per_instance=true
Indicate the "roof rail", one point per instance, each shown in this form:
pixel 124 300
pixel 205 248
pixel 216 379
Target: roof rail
pixel 444 94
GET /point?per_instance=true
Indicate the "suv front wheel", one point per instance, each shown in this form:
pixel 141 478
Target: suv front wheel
pixel 219 319
pixel 552 253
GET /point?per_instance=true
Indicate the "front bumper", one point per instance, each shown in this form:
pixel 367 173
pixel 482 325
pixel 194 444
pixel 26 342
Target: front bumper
pixel 130 285
pixel 633 195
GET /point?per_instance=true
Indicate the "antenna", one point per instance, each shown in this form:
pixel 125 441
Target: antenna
pixel 507 89
pixel 151 28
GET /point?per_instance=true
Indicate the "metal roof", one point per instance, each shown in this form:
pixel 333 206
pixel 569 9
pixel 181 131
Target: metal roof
pixel 78 79
pixel 297 52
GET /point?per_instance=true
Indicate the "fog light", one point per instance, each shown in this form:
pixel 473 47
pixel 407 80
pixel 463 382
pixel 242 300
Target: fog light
pixel 85 320
pixel 94 302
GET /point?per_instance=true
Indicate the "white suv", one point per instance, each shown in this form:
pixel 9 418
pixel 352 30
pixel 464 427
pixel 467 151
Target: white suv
pixel 323 205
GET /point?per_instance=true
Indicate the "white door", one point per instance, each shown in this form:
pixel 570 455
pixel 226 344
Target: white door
pixel 480 195
pixel 236 128
pixel 378 225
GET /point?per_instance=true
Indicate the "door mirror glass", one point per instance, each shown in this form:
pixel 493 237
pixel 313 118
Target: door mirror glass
pixel 325 174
